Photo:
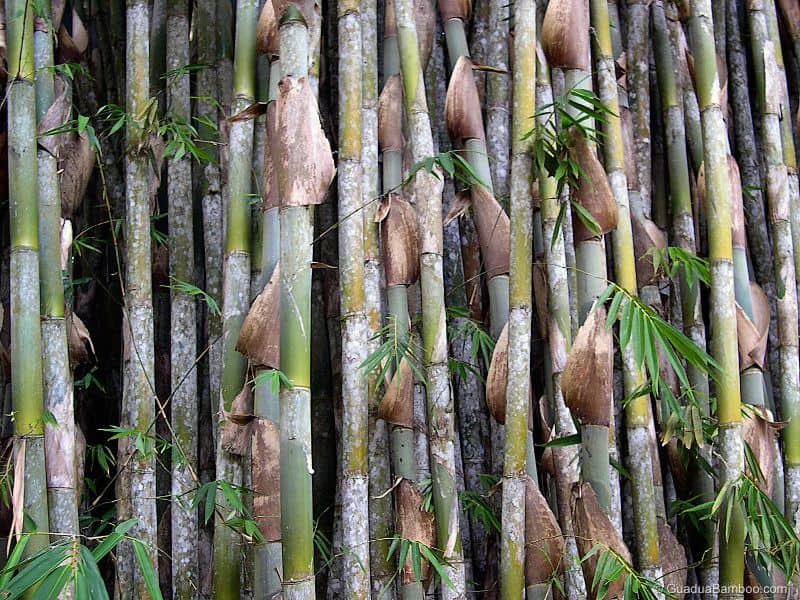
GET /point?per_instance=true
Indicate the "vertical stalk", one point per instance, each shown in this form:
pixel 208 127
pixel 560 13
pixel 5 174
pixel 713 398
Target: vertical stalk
pixel 183 342
pixel 428 190
pixel 723 316
pixel 498 98
pixel 559 339
pixel 236 288
pixel 638 76
pixel 297 230
pixel 267 566
pixel 512 541
pixel 783 250
pixel 58 395
pixel 683 233
pixel 355 432
pixel 26 341
pixel 380 509
pixel 637 412
pixel 138 376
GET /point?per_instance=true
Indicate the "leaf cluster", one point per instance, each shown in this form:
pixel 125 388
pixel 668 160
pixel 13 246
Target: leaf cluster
pixel 611 566
pixel 44 575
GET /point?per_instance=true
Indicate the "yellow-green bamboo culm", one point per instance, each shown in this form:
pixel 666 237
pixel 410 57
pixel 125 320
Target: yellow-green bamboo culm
pixel 355 405
pixel 138 399
pixel 236 290
pixel 428 190
pixel 784 252
pixel 296 231
pixel 723 315
pixel 58 395
pixel 26 341
pixel 381 518
pixel 518 391
pixel 638 416
pixel 683 234
pixel 183 342
pixel 559 340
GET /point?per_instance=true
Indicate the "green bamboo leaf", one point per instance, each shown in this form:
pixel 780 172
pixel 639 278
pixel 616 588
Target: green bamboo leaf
pixel 437 566
pixel 567 440
pixel 146 568
pixel 112 539
pixel 13 560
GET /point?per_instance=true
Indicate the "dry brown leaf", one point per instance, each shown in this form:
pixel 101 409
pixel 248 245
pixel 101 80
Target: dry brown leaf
pixel 462 105
pixel 304 165
pixel 266 478
pixel 646 236
pixel 425 21
pixel 752 335
pixel 760 431
pixel 494 231
pixel 593 527
pixel 73 39
pixel 544 543
pixel 673 560
pixel 259 336
pixel 269 189
pixel 236 424
pixel 593 192
pixel 79 341
pixel 397 404
pixel 400 243
pixel 588 374
pixel 390 115
pixel 267 35
pixel 413 523
pixel 455 9
pixel 497 378
pixel 75 166
pixel 565 34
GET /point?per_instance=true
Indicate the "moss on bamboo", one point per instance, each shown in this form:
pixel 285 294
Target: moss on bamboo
pixel 26 344
pixel 723 325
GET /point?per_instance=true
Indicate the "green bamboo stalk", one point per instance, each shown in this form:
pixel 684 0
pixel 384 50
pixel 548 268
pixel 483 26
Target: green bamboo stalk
pixel 746 152
pixel 267 556
pixel 183 343
pixel 355 426
pixel 787 123
pixel 780 227
pixel 498 98
pixel 236 289
pixel 723 318
pixel 380 509
pixel 26 341
pixel 475 151
pixel 403 461
pixel 683 232
pixel 138 374
pixel 58 396
pixel 512 537
pixel 158 46
pixel 637 411
pixel 297 229
pixel 638 78
pixel 559 339
pixel 208 190
pixel 428 190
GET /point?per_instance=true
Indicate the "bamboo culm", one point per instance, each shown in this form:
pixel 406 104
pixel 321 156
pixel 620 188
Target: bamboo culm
pixel 26 341
pixel 183 346
pixel 235 291
pixel 428 192
pixel 60 444
pixel 723 316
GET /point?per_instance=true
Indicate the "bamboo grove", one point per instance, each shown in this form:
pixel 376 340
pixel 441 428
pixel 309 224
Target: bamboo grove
pixel 400 299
